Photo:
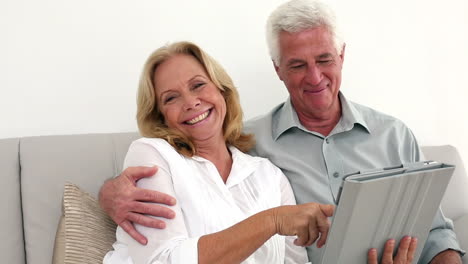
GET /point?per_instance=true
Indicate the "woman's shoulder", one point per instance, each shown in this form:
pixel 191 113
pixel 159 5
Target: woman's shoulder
pixel 152 149
pixel 155 142
pixel 158 144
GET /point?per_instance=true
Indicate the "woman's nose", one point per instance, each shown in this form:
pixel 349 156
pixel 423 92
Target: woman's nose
pixel 191 102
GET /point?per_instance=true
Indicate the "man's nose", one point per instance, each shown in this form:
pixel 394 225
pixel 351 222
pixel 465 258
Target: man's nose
pixel 313 75
pixel 191 102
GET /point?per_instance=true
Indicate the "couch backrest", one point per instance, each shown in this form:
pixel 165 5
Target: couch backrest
pixel 38 167
pixel 455 201
pixel 48 162
pixel 11 232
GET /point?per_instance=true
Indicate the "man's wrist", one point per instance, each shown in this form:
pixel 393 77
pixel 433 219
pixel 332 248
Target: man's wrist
pixel 448 256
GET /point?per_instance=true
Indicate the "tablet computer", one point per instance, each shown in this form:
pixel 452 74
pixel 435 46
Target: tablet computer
pixel 378 205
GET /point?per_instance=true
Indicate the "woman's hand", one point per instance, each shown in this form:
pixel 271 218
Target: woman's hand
pixel 306 221
pixel 405 253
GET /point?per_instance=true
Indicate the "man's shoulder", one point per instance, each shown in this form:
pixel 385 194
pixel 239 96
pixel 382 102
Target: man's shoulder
pixel 376 119
pixel 262 124
pixel 258 124
pixel 262 128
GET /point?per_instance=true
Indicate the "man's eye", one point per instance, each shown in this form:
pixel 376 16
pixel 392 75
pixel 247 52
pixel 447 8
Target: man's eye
pixel 297 66
pixel 324 61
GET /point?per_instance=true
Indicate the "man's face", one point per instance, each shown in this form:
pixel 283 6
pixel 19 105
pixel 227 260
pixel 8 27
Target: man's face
pixel 310 67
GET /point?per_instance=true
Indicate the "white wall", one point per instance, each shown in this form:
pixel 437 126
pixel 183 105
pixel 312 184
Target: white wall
pixel 72 66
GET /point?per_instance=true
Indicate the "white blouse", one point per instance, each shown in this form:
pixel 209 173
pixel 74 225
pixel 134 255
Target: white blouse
pixel 205 205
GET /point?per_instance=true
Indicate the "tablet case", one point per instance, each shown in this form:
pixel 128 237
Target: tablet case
pixel 382 204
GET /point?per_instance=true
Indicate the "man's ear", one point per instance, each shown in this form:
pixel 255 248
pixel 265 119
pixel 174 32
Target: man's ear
pixel 343 52
pixel 277 69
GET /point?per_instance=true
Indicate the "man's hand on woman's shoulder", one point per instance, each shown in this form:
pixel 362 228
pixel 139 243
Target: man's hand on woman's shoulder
pixel 127 204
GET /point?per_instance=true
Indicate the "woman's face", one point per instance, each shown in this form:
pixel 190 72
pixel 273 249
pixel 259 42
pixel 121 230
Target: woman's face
pixel 188 100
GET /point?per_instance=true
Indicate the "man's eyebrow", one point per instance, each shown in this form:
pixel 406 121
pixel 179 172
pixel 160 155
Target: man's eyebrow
pixel 325 56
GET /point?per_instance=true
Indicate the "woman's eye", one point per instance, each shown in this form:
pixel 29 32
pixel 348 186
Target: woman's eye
pixel 169 99
pixel 198 85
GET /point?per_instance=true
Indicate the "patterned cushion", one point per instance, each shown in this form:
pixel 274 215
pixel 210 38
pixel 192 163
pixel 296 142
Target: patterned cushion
pixel 85 233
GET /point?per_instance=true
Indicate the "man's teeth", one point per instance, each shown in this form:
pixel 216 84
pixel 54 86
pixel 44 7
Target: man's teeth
pixel 198 118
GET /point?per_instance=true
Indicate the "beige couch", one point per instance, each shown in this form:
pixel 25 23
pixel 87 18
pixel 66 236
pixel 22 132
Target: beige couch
pixel 35 169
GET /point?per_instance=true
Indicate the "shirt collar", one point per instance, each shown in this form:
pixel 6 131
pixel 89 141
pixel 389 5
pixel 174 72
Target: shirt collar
pixel 243 165
pixel 350 115
pixel 286 118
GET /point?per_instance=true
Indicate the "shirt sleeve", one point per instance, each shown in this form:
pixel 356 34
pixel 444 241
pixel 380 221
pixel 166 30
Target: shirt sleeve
pixel 169 245
pixel 293 254
pixel 441 237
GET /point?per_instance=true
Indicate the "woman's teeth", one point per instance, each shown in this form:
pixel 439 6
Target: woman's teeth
pixel 198 118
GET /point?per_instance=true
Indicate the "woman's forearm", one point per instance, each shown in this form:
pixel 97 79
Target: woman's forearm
pixel 238 242
pixel 233 245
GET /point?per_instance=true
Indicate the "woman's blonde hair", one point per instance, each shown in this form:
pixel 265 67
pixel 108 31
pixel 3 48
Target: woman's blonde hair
pixel 151 121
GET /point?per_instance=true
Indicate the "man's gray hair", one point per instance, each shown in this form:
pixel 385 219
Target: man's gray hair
pixel 296 16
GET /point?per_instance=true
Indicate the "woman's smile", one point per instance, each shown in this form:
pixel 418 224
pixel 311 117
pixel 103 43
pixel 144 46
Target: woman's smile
pixel 199 118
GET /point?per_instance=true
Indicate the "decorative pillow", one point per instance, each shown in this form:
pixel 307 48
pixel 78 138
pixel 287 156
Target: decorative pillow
pixel 85 233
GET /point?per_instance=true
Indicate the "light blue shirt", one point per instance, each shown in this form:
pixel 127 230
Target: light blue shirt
pixel 363 139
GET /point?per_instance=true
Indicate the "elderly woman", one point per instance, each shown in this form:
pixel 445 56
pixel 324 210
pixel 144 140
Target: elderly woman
pixel 231 207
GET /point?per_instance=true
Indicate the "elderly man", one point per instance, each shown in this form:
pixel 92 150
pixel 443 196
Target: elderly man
pixel 316 136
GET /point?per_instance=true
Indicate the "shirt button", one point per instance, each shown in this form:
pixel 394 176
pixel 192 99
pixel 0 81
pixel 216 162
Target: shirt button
pixel 326 140
pixel 336 174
